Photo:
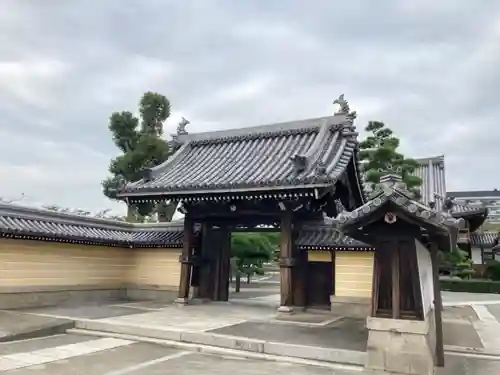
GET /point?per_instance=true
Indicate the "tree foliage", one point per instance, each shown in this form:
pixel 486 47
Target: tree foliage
pixel 250 251
pixel 380 152
pixel 142 146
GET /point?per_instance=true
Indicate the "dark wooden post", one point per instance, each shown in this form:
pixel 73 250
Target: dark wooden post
pixel 186 259
pixel 375 280
pixel 223 263
pixel 286 262
pixel 207 260
pixel 438 305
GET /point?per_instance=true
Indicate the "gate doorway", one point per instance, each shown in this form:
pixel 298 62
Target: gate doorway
pixel 320 284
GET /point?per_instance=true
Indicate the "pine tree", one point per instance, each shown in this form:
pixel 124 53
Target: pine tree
pixel 379 152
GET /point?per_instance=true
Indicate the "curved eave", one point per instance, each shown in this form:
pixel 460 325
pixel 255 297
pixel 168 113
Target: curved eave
pixel 84 241
pixel 335 248
pixel 370 212
pixel 475 218
pixel 229 193
pixel 195 169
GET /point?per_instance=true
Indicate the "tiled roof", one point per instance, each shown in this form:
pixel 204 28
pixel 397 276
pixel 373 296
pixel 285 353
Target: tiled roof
pixel 395 193
pixel 43 225
pixel 293 155
pixel 486 238
pixel 324 236
pixel 460 210
pixel 475 194
pixel 432 173
pixel 24 222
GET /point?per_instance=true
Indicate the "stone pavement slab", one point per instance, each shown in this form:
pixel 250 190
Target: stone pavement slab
pixel 495 311
pixel 151 359
pixel 461 298
pixel 346 333
pixel 98 362
pixel 196 318
pixel 87 311
pixel 29 345
pixel 461 334
pixel 466 313
pixel 14 325
pixel 461 365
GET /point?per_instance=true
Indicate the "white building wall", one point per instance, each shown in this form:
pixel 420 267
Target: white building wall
pixel 476 255
pixel 426 279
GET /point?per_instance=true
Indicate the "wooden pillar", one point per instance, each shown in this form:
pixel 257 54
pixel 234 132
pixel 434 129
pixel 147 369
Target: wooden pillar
pixel 221 289
pixel 186 261
pixel 438 305
pixel 286 263
pixel 196 266
pixel 375 281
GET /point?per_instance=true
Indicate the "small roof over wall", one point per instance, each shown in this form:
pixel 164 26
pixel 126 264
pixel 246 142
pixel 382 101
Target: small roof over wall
pixel 487 239
pixel 44 225
pixel 324 235
pixel 270 160
pixel 20 222
pixel 394 201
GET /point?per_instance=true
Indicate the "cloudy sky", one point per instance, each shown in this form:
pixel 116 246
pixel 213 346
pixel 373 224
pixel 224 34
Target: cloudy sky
pixel 429 69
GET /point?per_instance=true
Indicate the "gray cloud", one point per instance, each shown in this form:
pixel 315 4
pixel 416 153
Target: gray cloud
pixel 428 69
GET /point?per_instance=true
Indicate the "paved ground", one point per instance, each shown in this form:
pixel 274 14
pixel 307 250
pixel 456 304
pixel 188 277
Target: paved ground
pixel 18 325
pixel 86 355
pixel 471 320
pixel 95 311
pixel 495 311
pixel 82 355
pixel 346 333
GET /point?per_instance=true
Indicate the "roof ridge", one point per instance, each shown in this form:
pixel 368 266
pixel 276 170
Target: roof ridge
pixel 259 130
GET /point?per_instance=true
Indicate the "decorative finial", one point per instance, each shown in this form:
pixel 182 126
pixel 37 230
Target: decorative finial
pixel 181 127
pixel 391 177
pixel 320 168
pixel 299 163
pixel 344 106
pixel 449 203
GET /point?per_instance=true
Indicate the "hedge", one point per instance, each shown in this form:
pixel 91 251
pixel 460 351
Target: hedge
pixel 471 286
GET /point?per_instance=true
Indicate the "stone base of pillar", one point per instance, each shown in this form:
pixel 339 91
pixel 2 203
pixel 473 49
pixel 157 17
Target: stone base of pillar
pixel 285 309
pixel 181 301
pixel 353 307
pixel 400 346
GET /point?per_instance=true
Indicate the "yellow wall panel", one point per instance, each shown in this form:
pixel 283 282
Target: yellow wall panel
pixel 353 273
pixel 39 263
pixel 319 256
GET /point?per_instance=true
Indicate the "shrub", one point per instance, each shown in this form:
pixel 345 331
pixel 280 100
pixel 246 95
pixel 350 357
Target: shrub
pixel 470 286
pixel 493 270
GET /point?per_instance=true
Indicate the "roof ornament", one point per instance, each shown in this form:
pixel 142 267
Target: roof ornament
pixel 299 163
pixel 391 177
pixel 320 168
pixel 449 204
pixel 344 105
pixel 181 127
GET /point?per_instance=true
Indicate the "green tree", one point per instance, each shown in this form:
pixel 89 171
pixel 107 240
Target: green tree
pixel 142 146
pixel 379 150
pixel 249 251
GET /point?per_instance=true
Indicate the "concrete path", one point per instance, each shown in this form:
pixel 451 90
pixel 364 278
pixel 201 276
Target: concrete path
pixel 15 326
pixel 73 354
pixel 87 355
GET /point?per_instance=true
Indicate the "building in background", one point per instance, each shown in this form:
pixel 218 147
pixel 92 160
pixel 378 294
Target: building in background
pixel 486 198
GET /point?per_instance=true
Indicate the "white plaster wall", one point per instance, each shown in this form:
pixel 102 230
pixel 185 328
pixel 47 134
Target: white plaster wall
pixel 425 274
pixel 476 255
